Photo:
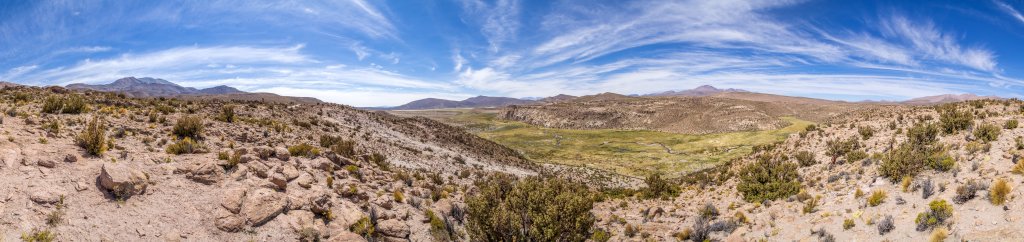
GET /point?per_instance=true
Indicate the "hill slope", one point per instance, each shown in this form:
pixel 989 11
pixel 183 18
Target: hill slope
pixel 473 102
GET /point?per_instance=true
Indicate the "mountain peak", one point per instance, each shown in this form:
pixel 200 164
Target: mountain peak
pixel 152 87
pixel 702 90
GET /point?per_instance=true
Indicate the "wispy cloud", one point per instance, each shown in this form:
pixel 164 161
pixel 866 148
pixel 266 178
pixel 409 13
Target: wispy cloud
pixel 1006 8
pixel 499 22
pixel 926 38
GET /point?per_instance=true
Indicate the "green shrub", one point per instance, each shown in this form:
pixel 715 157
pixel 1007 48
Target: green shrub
pixel 1010 124
pixel 531 209
pixel 38 236
pixel 439 228
pixel 953 120
pixel 227 114
pixel 344 148
pixel 922 135
pixel 940 161
pixel 856 155
pixel 938 211
pixel 366 226
pixel 838 148
pixel 658 188
pixel 304 150
pixel 185 146
pixel 848 224
pixel 71 104
pixel 805 158
pixel 877 198
pixel 94 138
pixel 902 161
pixel 768 179
pixel 997 194
pixel 189 126
pixel 987 133
pixel 865 132
pixel 601 235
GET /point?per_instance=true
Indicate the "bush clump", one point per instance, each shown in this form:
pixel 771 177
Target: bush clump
pixel 967 191
pixel 72 104
pixel 805 158
pixel 953 120
pixel 877 198
pixel 768 179
pixel 856 155
pixel 1011 124
pixel 987 133
pixel 997 193
pixel 886 225
pixel 304 150
pixel 189 127
pixel 838 148
pixel 938 211
pixel 94 138
pixel 531 209
pixel 658 188
pixel 227 114
pixel 185 146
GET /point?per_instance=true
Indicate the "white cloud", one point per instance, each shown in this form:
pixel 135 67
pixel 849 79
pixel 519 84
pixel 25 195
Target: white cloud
pixel 362 97
pixel 499 21
pixel 1009 10
pixel 927 38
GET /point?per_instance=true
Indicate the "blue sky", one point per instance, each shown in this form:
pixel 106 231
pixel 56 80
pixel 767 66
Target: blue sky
pixel 380 53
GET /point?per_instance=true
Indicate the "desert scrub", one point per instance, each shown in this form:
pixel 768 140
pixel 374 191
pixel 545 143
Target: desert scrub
pixel 967 191
pixel 865 132
pixel 953 120
pixel 877 198
pixel 38 236
pixel 227 114
pixel 185 146
pixel 938 211
pixel 71 104
pixel 601 235
pixel 189 127
pixel 93 138
pixel 530 209
pixel 997 193
pixel 805 158
pixel 440 229
pixel 768 179
pixel 848 224
pixel 838 148
pixel 1010 124
pixel 856 155
pixel 987 133
pixel 1018 168
pixel 886 225
pixel 658 188
pixel 939 235
pixel 304 150
pixel 366 226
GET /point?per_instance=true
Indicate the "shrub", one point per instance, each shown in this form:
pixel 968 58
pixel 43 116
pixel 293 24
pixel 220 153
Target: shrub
pixel 658 188
pixel 997 193
pixel 709 212
pixel 938 211
pixel 366 226
pixel 72 104
pixel 940 161
pixel 837 148
pixel 344 148
pixel 185 146
pixel 534 209
pixel 987 133
pixel 953 120
pixel 304 150
pixel 877 198
pixel 227 114
pixel 811 205
pixel 189 126
pixel 967 192
pixel 1010 124
pixel 904 160
pixel 768 179
pixel 865 132
pixel 439 227
pixel 805 158
pixel 1019 168
pixel 600 235
pixel 94 138
pixel 38 236
pixel 939 235
pixel 927 189
pixel 848 224
pixel 856 155
pixel 886 225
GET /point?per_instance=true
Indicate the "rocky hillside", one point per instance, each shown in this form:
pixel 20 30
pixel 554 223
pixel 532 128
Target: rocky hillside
pixel 733 111
pixel 473 102
pixel 941 173
pixel 100 166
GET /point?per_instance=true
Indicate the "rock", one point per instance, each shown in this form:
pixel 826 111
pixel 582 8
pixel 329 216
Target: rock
pixel 246 158
pixel 289 172
pixel 305 180
pixel 346 213
pixel 279 180
pixel 122 180
pixel 345 236
pixel 232 199
pixel 300 220
pixel 45 197
pixel 323 164
pixel 205 173
pixel 10 157
pixel 81 186
pixel 737 235
pixel 262 205
pixel 393 228
pixel 259 168
pixel 72 158
pixel 48 163
pixel 320 201
pixel 264 152
pixel 229 222
pixel 282 154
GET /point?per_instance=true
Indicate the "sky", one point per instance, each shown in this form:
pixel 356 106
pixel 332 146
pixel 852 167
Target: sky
pixel 385 53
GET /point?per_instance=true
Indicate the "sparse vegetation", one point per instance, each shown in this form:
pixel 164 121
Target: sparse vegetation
pixel 999 191
pixel 94 138
pixel 768 179
pixel 938 212
pixel 658 188
pixel 185 146
pixel 877 198
pixel 304 150
pixel 954 120
pixel 534 208
pixel 805 158
pixel 189 127
pixel 987 132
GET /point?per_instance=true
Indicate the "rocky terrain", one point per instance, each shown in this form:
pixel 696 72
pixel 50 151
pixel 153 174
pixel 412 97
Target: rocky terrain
pixel 718 113
pixel 154 87
pixel 104 167
pixel 473 102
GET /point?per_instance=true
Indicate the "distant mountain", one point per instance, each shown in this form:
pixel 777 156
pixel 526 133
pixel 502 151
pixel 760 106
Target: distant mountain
pixel 700 91
pixel 152 87
pixel 946 98
pixel 473 102
pixel 557 98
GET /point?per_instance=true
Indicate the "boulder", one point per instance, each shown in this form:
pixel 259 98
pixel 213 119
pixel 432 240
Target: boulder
pixel 45 197
pixel 229 222
pixel 232 199
pixel 10 157
pixel 305 180
pixel 300 220
pixel 122 181
pixel 345 236
pixel 261 205
pixel 320 201
pixel 282 154
pixel 48 163
pixel 205 173
pixel 264 152
pixel 393 228
pixel 346 213
pixel 259 168
pixel 279 180
pixel 289 171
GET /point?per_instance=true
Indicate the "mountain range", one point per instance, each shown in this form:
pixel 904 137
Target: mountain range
pixel 155 87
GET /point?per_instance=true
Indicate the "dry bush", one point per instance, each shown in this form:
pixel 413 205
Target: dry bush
pixel 94 138
pixel 877 198
pixel 938 211
pixel 997 193
pixel 768 179
pixel 185 146
pixel 987 133
pixel 189 127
